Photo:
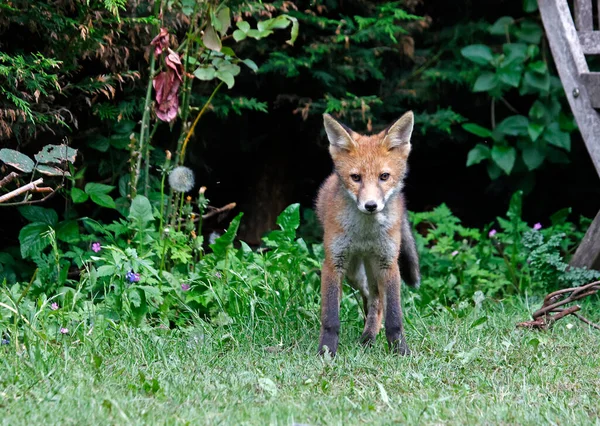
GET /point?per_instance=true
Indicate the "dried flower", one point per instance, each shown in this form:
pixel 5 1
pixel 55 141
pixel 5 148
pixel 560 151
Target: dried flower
pixel 54 306
pixel 492 233
pixel 181 179
pixel 537 226
pixel 64 330
pixel 166 85
pixel 454 253
pixel 185 287
pixel 161 41
pixel 96 247
pixel 132 277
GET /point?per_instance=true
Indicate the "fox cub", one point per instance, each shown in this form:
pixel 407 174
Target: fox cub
pixel 367 232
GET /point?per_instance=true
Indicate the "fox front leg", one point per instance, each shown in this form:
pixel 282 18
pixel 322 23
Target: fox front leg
pixel 331 288
pixel 394 327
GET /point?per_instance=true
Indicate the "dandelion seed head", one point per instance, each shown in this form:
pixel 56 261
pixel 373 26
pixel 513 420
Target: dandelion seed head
pixel 181 179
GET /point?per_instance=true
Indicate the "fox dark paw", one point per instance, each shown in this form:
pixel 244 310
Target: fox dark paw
pixel 399 347
pixel 367 339
pixel 329 343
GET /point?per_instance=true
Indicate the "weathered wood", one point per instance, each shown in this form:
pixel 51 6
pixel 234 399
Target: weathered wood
pixel 591 81
pixel 570 62
pixel 590 42
pixel 583 15
pixel 588 252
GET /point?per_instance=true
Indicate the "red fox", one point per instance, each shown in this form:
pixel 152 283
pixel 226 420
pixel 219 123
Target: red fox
pixel 366 230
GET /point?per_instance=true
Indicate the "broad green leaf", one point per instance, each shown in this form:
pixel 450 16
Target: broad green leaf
pixel 56 154
pixel 514 53
pixel 51 170
pixel 33 238
pixel 537 111
pixel 227 51
pixel 224 19
pixel 211 39
pixel 504 157
pixel 494 172
pixel 257 35
pixel 137 304
pixel 141 210
pixel 124 127
pixel 279 22
pixel 534 130
pixel 289 220
pixel 533 156
pixel 68 231
pixel 250 64
pixel 478 53
pixel 99 143
pixel 530 6
pixel 478 154
pixel 225 241
pixel 511 75
pixel 105 271
pixel 226 77
pixel 98 188
pixel 501 26
pixel 529 32
pixel 515 125
pixel 476 129
pixel 78 196
pixel 39 214
pixel 205 73
pixel 103 200
pixel 486 82
pixel 239 35
pixel 539 67
pixel 17 160
pixel 243 26
pixel 554 136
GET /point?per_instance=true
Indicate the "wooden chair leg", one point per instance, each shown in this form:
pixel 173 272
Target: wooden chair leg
pixel 588 253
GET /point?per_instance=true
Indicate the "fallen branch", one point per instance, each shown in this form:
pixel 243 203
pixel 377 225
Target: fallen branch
pixel 8 179
pixel 543 318
pixel 25 188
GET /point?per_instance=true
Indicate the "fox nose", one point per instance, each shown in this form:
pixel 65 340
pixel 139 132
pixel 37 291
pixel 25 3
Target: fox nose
pixel 371 206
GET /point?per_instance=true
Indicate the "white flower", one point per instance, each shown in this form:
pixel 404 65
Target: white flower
pixel 181 179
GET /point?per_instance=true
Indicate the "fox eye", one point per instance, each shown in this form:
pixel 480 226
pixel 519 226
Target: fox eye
pixel 355 177
pixel 384 176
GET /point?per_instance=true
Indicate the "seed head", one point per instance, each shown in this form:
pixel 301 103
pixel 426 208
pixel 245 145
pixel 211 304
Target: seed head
pixel 181 179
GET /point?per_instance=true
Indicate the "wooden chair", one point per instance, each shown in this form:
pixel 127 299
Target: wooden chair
pixel 570 42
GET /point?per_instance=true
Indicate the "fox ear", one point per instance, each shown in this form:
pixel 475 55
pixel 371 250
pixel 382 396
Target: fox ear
pixel 398 134
pixel 338 134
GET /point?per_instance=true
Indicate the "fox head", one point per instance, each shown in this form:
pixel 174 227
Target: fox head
pixel 371 168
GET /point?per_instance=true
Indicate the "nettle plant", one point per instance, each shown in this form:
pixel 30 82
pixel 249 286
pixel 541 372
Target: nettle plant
pixel 520 142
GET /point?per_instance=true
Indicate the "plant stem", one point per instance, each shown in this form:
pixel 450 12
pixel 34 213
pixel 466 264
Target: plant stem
pixel 147 161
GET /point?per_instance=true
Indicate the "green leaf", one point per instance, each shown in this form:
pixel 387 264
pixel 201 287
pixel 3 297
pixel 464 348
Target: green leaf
pixel 478 154
pixel 243 26
pixel 478 53
pixel 211 39
pixel 494 172
pixel 51 170
pixel 537 111
pixel 554 136
pixel 17 160
pixel 56 154
pixel 486 82
pixel 279 22
pixel 501 26
pixel 257 35
pixel 226 77
pixel 103 200
pixel 99 143
pixel 514 53
pixel 539 67
pixel 504 157
pixel 205 73
pixel 511 75
pixel 529 32
pixel 105 271
pixel 68 231
pixel 478 322
pixel 294 32
pixel 289 220
pixel 250 64
pixel 533 156
pixel 34 239
pixel 225 241
pixel 530 6
pixel 515 125
pixel 93 188
pixel 78 196
pixel 476 129
pixel 227 51
pixel 141 210
pixel 137 304
pixel 534 130
pixel 239 35
pixel 224 19
pixel 39 214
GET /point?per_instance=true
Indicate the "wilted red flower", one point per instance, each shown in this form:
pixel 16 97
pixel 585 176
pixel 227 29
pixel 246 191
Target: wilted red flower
pixel 161 41
pixel 166 85
pixel 174 62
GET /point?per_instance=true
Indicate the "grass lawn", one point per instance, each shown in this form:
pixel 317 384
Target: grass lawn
pixel 467 367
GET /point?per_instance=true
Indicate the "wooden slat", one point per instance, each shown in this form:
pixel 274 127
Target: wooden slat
pixel 584 17
pixel 590 42
pixel 588 252
pixel 570 62
pixel 591 81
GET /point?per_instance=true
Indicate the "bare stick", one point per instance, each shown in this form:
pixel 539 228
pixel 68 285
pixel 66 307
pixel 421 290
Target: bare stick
pixel 8 179
pixel 29 187
pixel 214 212
pixel 41 200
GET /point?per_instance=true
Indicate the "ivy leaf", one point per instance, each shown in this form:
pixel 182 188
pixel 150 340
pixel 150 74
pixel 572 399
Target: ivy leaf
pixel 501 26
pixel 476 129
pixel 511 75
pixel 486 82
pixel 537 111
pixel 515 125
pixel 478 53
pixel 554 136
pixel 529 32
pixel 504 157
pixel 211 39
pixel 478 154
pixel 535 130
pixel 530 6
pixel 533 156
pixel 514 52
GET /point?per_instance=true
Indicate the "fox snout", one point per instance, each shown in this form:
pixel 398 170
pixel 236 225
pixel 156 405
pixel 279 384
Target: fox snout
pixel 370 204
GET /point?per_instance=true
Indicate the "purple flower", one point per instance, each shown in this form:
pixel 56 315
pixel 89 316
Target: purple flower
pixel 454 253
pixel 185 287
pixel 492 233
pixel 537 226
pixel 64 330
pixel 54 306
pixel 218 275
pixel 132 277
pixel 96 247
pixel 5 342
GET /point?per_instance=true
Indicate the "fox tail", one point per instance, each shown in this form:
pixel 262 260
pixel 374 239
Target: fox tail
pixel 409 257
